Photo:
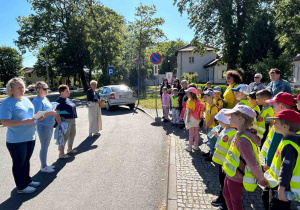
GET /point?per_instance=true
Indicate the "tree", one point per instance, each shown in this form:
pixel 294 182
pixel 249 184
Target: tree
pixel 105 30
pixel 145 33
pixel 59 23
pixel 261 42
pixel 287 20
pixel 221 24
pixel 10 63
pixel 283 62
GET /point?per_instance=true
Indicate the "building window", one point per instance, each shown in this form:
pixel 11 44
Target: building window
pixel 29 75
pixel 191 59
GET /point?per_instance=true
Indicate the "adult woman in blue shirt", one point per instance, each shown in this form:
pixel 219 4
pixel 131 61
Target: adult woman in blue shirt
pixel 65 104
pixel 45 126
pixel 16 113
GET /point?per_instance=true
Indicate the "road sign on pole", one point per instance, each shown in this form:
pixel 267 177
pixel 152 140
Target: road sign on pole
pixel 155 70
pixel 155 58
pixel 110 71
pixel 138 61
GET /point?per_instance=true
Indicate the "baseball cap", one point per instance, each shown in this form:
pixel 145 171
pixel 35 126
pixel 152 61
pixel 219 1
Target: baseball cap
pixel 41 84
pixel 242 108
pixel 191 90
pixel 283 97
pixel 298 97
pixel 209 93
pixel 217 89
pixel 288 115
pixel 222 117
pixel 242 88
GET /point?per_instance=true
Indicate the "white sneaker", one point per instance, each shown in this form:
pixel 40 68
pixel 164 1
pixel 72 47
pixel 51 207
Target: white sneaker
pixel 47 169
pixel 189 149
pixel 27 190
pixel 53 167
pixel 195 148
pixel 90 135
pixel 34 184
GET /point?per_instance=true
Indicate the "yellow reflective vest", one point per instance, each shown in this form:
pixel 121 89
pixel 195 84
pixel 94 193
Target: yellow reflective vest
pixel 222 147
pixel 232 162
pixel 175 102
pixel 261 121
pixel 266 146
pixel 245 102
pixel 257 109
pixel 272 174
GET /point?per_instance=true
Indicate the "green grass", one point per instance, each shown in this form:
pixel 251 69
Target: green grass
pixel 147 99
pixel 78 95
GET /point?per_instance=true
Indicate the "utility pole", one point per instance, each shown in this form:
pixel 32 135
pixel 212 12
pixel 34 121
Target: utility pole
pixel 47 69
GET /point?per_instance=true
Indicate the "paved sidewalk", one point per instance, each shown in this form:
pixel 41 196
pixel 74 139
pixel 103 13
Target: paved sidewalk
pixel 197 179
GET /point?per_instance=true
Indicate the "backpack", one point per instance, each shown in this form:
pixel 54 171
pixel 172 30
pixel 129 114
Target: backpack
pixel 199 110
pixel 216 121
pixel 225 103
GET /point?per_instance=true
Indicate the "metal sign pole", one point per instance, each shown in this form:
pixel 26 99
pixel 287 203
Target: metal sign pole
pixel 156 96
pixel 138 84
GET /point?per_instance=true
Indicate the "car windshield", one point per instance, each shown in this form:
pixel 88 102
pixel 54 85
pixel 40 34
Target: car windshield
pixel 120 88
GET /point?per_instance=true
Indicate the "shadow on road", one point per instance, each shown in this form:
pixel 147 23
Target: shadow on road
pixel 121 110
pixel 16 200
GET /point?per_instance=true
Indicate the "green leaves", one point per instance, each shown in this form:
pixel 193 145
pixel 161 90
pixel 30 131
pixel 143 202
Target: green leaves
pixel 10 63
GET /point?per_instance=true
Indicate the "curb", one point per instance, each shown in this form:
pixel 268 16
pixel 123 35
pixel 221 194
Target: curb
pixel 141 109
pixel 172 184
pixel 172 172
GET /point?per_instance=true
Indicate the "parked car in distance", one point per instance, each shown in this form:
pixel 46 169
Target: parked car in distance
pixel 2 91
pixel 72 87
pixel 116 95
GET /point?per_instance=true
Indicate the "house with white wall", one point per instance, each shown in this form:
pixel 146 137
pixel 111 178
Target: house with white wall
pixel 207 66
pixel 295 81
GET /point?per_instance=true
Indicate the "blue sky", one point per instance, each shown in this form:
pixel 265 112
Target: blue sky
pixel 176 26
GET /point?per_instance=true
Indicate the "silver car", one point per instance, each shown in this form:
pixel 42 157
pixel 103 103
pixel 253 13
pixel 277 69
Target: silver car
pixel 2 91
pixel 116 95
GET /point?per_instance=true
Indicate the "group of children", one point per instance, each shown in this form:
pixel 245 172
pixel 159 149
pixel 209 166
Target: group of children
pixel 256 121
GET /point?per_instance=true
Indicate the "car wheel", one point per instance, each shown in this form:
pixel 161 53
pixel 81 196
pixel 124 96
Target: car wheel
pixel 131 106
pixel 108 107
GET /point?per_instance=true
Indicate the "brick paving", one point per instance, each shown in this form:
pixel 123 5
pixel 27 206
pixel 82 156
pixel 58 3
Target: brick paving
pixel 197 179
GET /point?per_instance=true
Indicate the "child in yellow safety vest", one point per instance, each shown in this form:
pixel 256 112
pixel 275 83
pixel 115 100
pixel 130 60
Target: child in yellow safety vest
pixel 282 101
pixel 263 122
pixel 285 169
pixel 174 106
pixel 211 110
pixel 253 102
pixel 242 165
pixel 222 146
pixel 241 93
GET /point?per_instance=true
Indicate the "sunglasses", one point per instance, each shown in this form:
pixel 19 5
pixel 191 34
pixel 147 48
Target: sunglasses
pixel 256 77
pixel 45 89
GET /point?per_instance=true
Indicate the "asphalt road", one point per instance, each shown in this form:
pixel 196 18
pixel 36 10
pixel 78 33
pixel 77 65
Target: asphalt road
pixel 124 168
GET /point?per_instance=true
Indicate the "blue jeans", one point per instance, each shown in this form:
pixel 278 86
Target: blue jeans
pixel 211 142
pixel 20 154
pixel 45 134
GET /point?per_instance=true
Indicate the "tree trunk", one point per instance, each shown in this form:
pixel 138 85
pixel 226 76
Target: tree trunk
pixel 83 80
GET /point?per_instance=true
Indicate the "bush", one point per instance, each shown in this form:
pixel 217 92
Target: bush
pixel 223 87
pixel 191 78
